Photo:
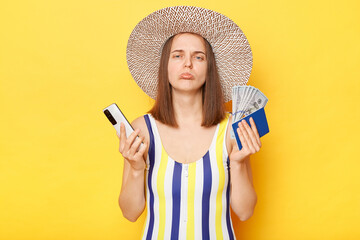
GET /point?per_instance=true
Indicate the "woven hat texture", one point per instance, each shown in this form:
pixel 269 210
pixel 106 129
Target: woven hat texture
pixel 231 48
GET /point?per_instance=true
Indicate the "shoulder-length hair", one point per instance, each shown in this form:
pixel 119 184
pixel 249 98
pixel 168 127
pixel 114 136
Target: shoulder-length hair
pixel 213 105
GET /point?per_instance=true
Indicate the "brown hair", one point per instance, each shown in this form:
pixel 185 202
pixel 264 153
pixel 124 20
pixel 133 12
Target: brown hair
pixel 213 108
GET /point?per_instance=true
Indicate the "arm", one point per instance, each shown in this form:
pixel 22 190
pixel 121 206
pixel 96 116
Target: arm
pixel 242 193
pixel 132 195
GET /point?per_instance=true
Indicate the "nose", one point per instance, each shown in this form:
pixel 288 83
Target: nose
pixel 188 62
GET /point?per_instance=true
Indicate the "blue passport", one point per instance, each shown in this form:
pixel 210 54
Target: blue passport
pixel 260 122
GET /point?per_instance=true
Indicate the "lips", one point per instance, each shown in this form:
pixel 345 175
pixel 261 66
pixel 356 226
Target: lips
pixel 186 76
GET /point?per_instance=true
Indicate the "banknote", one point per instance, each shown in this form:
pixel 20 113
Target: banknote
pixel 257 100
pixel 238 97
pixel 246 100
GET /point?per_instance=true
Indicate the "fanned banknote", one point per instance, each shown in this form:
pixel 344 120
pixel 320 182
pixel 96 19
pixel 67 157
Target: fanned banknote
pixel 246 100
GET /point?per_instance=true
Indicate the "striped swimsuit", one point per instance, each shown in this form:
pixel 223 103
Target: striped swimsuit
pixel 187 201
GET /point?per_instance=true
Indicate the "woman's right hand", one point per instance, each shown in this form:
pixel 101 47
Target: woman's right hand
pixel 129 149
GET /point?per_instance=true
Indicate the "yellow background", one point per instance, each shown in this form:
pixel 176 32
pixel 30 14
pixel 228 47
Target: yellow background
pixel 62 62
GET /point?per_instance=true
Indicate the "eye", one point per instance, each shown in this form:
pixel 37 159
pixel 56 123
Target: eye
pixel 176 55
pixel 200 57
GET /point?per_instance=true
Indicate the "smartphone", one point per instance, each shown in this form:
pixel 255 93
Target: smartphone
pixel 115 116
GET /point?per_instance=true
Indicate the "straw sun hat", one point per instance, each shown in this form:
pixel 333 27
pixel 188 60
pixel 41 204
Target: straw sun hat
pixel 231 48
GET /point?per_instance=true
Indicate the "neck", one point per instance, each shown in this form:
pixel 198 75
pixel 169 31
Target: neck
pixel 187 108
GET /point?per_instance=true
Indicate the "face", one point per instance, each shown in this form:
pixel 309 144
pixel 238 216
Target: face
pixel 187 64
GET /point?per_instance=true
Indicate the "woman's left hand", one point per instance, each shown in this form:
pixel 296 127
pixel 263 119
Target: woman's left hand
pixel 250 141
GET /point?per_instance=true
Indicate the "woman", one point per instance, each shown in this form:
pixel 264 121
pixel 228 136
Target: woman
pixel 188 169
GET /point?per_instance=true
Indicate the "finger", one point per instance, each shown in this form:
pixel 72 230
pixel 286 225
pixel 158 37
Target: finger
pixel 253 126
pixel 242 137
pixel 247 136
pixel 252 136
pixel 135 145
pixel 131 139
pixel 142 150
pixel 122 137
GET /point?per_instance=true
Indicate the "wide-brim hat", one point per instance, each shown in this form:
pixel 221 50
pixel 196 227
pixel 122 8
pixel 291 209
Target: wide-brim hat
pixel 231 48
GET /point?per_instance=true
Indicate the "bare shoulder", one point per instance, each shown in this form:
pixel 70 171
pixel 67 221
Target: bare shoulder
pixel 139 123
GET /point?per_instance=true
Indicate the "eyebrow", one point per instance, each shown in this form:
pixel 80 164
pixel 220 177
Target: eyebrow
pixel 179 50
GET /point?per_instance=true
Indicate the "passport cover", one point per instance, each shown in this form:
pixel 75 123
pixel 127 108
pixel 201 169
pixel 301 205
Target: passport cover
pixel 260 122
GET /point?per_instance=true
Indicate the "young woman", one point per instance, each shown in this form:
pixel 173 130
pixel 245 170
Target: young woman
pixel 188 170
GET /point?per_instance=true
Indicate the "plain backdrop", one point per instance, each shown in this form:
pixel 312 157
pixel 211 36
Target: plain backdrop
pixel 62 62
